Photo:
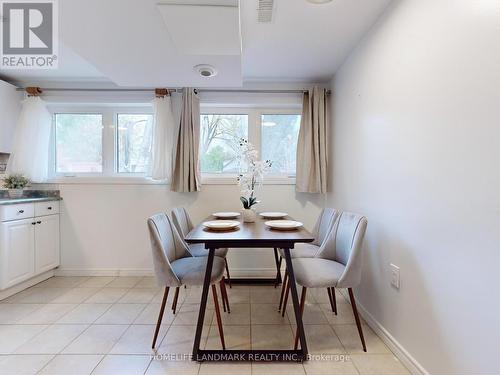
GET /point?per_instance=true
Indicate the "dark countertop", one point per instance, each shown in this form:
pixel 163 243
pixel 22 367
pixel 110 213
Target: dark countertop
pixel 6 201
pixel 30 196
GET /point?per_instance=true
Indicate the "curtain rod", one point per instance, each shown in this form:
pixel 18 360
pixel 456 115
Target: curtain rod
pixel 250 91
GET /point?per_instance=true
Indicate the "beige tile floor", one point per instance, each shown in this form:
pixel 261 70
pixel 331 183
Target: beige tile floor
pixel 104 325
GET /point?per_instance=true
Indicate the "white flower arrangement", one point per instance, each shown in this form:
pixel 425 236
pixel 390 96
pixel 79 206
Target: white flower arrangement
pixel 253 175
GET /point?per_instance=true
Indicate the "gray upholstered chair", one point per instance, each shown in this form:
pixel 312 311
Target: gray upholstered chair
pixel 174 266
pixel 337 265
pixel 321 230
pixel 184 225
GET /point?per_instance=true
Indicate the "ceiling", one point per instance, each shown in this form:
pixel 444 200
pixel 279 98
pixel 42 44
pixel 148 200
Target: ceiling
pixel 154 43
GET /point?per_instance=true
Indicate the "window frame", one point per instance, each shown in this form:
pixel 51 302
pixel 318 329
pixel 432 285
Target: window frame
pixel 254 136
pixel 109 172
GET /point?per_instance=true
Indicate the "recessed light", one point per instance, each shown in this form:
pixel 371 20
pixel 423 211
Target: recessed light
pixel 319 1
pixel 206 71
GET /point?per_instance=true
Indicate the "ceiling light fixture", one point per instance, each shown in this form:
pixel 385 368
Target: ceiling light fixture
pixel 206 71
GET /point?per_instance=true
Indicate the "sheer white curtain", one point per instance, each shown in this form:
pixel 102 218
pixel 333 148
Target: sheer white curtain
pixel 30 153
pixel 163 134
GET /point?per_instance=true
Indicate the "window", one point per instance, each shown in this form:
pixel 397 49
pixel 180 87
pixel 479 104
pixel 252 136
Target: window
pixel 115 140
pixel 134 138
pixel 273 132
pixel 279 137
pixel 102 141
pixel 220 136
pixel 78 143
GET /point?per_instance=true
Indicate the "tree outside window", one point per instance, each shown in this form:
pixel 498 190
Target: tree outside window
pixel 220 136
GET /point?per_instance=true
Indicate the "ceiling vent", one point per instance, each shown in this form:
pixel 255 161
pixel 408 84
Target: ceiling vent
pixel 265 11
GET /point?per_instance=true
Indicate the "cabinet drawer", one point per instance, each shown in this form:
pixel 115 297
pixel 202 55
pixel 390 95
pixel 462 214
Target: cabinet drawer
pixel 46 208
pixel 16 211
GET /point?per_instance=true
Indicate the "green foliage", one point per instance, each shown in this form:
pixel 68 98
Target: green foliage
pixel 15 181
pixel 78 141
pixel 215 160
pixel 219 141
pixel 248 203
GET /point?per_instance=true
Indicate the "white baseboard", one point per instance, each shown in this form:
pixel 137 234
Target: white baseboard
pixel 257 273
pixel 235 272
pixel 399 351
pixel 104 272
pixel 25 284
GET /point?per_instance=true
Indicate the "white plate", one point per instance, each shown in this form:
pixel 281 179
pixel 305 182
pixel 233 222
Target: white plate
pixel 226 215
pixel 284 224
pixel 273 215
pixel 221 224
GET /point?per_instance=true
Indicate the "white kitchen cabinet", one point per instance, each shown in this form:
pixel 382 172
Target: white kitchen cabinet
pixel 46 243
pixel 28 246
pixel 18 249
pixel 10 108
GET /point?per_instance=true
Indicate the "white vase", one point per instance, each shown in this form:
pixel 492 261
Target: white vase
pixel 249 215
pixel 15 193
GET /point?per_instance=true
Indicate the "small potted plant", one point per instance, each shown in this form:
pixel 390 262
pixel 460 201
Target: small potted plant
pixel 15 183
pixel 251 178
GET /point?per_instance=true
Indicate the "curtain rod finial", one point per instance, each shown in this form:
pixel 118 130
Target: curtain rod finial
pixel 160 93
pixel 33 91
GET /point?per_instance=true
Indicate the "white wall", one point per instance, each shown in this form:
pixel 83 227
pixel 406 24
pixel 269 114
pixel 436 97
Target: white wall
pixel 104 231
pixel 416 149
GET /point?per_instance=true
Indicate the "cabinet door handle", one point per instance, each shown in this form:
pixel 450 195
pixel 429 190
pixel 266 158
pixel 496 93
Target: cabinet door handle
pixel 49 208
pixel 21 211
pixel 33 223
pixel 39 222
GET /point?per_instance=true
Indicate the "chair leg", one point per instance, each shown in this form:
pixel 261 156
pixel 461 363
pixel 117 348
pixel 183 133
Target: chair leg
pixel 334 300
pixel 228 275
pixel 283 288
pixel 278 268
pixel 356 316
pixel 176 297
pixel 224 294
pixel 222 297
pixel 219 319
pixel 287 292
pixel 302 303
pixel 162 309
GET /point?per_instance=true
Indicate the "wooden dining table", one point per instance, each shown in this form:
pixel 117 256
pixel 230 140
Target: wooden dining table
pixel 249 235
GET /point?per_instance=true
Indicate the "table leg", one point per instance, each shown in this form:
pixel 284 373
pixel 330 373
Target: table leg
pixel 203 303
pixel 278 268
pixel 295 300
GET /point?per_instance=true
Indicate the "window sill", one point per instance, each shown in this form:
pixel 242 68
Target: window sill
pixel 129 180
pixel 231 180
pixel 109 180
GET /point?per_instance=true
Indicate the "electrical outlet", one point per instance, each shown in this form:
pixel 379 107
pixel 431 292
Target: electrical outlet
pixel 394 276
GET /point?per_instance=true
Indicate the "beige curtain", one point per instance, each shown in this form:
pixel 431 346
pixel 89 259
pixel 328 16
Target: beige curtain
pixel 312 147
pixel 185 177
